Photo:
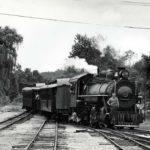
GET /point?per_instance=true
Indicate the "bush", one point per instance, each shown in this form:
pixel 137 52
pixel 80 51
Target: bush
pixel 4 100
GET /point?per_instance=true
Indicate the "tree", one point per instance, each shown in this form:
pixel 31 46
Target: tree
pixel 14 86
pixel 138 66
pixel 36 76
pixel 142 67
pixel 9 42
pixel 28 75
pixel 71 71
pixel 146 76
pixel 146 65
pixel 20 77
pixel 86 48
pixel 108 61
pixel 128 57
pixel 68 72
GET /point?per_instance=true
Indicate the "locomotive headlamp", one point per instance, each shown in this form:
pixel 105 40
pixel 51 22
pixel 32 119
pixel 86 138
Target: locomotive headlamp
pixel 125 74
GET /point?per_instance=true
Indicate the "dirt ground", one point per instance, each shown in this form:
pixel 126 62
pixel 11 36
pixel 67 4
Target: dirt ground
pixel 82 140
pixel 10 110
pixel 145 125
pixel 16 134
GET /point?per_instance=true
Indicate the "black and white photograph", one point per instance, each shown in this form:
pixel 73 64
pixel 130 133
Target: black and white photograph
pixel 74 74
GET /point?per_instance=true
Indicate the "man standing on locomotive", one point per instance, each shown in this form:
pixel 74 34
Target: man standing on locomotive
pixel 113 102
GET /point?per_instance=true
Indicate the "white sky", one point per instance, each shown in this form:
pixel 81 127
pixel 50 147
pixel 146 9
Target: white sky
pixel 47 44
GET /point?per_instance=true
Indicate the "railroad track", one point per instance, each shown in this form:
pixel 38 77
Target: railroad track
pixel 142 137
pixel 138 131
pixel 123 141
pixel 45 138
pixel 142 131
pixel 9 122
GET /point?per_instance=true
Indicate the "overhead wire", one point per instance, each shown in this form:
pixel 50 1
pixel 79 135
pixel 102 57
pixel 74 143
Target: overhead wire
pixel 136 3
pixel 42 18
pixel 70 21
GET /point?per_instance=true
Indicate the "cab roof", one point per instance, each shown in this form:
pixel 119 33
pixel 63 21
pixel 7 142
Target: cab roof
pixel 78 77
pixel 63 81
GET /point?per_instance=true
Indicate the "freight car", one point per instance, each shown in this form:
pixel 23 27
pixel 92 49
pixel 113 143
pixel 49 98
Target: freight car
pixel 54 99
pixel 29 96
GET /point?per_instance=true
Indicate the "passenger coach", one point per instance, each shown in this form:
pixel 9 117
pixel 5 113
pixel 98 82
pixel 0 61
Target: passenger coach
pixel 53 99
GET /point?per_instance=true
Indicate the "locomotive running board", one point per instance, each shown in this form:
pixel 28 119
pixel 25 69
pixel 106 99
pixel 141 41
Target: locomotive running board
pixel 134 126
pixel 92 95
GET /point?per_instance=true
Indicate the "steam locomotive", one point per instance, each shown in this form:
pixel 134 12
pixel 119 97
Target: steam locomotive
pixel 80 93
pixel 95 91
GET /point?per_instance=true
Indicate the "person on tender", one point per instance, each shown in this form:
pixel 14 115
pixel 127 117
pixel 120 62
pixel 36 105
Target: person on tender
pixel 113 102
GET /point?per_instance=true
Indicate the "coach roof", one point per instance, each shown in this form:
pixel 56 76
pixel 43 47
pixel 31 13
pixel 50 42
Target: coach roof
pixel 59 82
pixel 49 86
pixel 76 78
pixel 30 88
pixel 63 81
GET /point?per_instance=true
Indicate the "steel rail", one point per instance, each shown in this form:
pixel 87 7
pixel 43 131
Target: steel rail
pixel 136 137
pixel 32 141
pixel 56 137
pixel 130 139
pixel 104 135
pixel 13 117
pixel 13 121
pixel 108 138
pixel 142 131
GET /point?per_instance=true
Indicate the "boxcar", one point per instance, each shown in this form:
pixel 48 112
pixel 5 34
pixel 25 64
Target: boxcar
pixel 29 96
pixel 53 98
pixel 47 98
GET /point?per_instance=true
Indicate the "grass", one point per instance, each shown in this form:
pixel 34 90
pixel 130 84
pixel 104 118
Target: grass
pixel 7 106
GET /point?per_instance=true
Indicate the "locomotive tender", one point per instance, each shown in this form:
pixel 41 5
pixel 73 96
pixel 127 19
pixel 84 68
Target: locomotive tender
pixel 86 90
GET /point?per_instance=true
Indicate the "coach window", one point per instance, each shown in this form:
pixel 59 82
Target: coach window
pixel 72 88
